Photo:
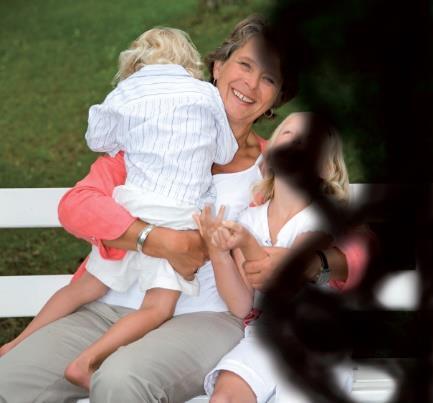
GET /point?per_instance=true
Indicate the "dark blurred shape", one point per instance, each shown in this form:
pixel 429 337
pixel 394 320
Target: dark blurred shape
pixel 366 65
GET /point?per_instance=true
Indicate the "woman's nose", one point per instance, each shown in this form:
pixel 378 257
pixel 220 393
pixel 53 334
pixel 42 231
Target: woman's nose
pixel 253 80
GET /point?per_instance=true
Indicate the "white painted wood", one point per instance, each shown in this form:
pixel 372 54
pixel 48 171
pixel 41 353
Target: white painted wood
pixel 364 396
pixel 37 207
pixel 372 396
pixel 375 191
pixel 30 208
pixel 400 290
pixel 22 296
pixel 371 385
pixel 198 399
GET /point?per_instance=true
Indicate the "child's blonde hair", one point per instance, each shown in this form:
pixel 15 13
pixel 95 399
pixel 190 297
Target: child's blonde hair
pixel 335 180
pixel 160 45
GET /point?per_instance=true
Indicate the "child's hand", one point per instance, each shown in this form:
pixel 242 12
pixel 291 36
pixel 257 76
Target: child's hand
pixel 208 224
pixel 229 235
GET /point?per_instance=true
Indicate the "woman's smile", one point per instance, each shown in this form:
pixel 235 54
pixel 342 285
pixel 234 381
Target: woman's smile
pixel 243 98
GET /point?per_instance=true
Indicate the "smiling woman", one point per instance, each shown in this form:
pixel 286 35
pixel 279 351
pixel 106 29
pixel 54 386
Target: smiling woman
pixel 171 361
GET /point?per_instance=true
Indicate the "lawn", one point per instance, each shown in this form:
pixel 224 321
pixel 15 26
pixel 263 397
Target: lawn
pixel 56 59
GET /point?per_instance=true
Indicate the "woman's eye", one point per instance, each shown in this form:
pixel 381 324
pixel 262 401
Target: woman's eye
pixel 269 80
pixel 245 65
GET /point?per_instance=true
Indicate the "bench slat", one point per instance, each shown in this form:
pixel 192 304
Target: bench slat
pixel 400 290
pixel 22 296
pixel 30 208
pixel 37 207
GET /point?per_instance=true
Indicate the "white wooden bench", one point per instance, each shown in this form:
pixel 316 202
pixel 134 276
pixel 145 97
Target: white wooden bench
pixel 370 386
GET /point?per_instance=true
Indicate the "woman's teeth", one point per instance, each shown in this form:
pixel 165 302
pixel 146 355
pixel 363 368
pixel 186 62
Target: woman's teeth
pixel 242 97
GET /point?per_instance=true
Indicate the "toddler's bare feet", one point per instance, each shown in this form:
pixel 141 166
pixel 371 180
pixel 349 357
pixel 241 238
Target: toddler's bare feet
pixel 5 348
pixel 80 371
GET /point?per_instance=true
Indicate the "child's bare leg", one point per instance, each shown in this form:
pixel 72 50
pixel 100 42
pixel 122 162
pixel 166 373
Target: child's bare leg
pixel 231 388
pixel 65 301
pixel 157 307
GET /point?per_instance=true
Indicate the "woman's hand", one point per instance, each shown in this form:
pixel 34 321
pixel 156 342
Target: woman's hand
pixel 185 250
pixel 259 272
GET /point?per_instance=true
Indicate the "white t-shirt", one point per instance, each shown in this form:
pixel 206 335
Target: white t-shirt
pixel 255 219
pixel 233 190
pixel 172 128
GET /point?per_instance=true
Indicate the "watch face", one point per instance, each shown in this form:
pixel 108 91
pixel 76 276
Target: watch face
pixel 323 277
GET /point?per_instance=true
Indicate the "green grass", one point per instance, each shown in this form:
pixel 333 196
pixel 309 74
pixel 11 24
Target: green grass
pixel 57 58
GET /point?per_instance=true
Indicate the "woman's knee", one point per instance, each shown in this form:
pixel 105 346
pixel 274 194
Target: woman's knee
pixel 110 386
pixel 221 396
pixel 231 396
pixel 117 380
pixel 231 388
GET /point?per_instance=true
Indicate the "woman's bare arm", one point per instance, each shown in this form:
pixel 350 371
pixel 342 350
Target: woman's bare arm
pixel 185 250
pixel 88 211
pixel 259 272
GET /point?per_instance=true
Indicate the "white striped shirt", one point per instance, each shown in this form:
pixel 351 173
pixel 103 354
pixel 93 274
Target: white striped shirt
pixel 172 128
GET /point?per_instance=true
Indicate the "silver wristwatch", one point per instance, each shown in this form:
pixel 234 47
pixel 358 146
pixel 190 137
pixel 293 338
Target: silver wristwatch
pixel 142 237
pixel 324 275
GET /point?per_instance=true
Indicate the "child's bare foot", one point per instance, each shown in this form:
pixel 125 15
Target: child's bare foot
pixel 80 371
pixel 5 348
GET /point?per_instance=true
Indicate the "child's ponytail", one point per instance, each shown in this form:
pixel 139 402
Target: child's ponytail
pixel 335 177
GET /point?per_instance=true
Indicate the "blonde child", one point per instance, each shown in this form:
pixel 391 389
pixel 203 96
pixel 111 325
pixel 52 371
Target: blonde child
pixel 172 127
pixel 287 218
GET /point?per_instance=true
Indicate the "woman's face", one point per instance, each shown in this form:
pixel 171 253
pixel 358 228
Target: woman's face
pixel 248 85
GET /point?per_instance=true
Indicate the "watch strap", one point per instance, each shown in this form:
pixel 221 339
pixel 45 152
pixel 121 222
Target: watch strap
pixel 324 275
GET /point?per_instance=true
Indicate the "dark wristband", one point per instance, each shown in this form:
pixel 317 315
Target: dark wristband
pixel 324 274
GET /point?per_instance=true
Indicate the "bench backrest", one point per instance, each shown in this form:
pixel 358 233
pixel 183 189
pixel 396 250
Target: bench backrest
pixel 22 296
pixel 30 207
pixel 37 208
